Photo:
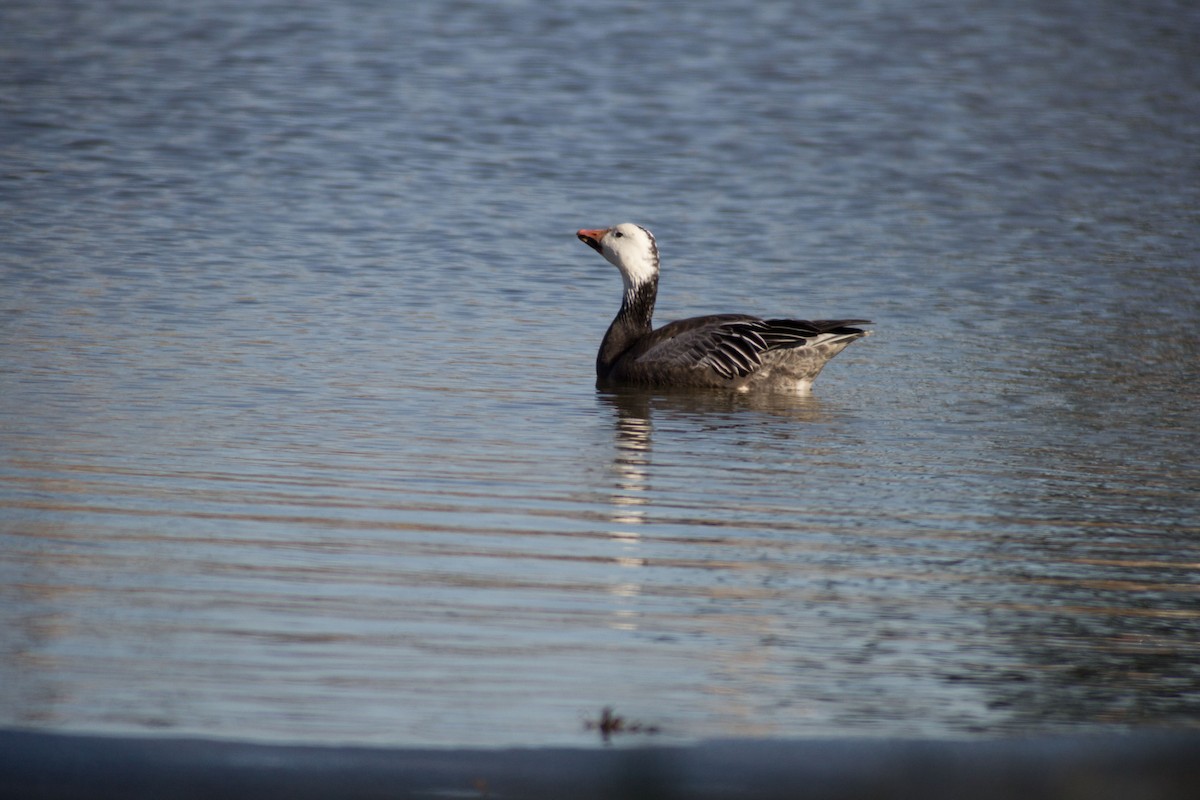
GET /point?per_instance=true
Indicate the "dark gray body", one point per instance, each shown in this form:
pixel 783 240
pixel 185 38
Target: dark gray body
pixel 727 351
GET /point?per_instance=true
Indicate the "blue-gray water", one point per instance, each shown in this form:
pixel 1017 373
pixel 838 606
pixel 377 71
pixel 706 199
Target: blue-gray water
pixel 298 436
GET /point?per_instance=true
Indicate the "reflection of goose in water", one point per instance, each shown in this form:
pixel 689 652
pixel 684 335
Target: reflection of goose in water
pixel 726 351
pixel 696 410
pixel 647 523
pixel 630 467
pixel 629 497
pixel 707 410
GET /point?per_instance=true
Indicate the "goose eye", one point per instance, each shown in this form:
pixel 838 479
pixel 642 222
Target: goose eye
pixel 618 234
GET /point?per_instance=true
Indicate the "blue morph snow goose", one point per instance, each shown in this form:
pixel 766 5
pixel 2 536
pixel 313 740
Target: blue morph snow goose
pixel 729 351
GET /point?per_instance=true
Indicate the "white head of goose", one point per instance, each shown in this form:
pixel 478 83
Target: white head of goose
pixel 727 351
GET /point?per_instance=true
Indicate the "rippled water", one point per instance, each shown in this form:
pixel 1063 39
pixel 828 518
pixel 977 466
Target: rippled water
pixel 298 437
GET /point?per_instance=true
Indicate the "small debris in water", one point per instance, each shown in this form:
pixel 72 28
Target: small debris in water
pixel 611 724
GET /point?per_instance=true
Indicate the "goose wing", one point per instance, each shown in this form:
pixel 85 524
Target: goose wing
pixel 732 345
pixel 783 333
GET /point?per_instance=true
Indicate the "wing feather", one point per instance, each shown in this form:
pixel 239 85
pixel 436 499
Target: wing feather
pixel 799 332
pixel 731 345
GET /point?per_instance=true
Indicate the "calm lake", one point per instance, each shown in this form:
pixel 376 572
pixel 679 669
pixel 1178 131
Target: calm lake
pixel 298 433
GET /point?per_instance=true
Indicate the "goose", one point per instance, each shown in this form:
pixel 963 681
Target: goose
pixel 726 351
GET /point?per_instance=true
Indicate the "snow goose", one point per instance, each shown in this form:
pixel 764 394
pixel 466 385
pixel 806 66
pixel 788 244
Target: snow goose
pixel 728 351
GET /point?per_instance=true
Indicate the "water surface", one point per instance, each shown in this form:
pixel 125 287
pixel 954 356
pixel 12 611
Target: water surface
pixel 298 437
